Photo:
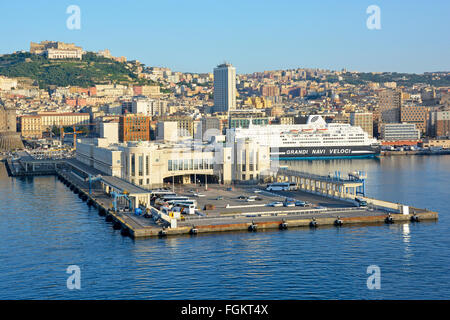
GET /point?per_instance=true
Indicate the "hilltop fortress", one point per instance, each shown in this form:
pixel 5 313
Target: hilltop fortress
pixel 57 50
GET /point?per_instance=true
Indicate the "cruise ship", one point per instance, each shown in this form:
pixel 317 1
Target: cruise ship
pixel 314 140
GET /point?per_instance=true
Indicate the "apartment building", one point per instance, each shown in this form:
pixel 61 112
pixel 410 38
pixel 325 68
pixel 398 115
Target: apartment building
pixel 363 120
pixel 31 127
pixel 389 103
pixel 415 114
pixel 149 107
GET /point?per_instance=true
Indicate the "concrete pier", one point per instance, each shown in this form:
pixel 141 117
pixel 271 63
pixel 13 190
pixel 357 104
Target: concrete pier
pixel 139 227
pixel 336 195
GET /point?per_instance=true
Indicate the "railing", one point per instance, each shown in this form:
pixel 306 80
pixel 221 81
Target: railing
pixel 275 213
pixel 315 176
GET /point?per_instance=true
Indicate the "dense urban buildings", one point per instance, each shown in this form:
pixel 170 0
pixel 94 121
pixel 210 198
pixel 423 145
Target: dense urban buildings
pixel 159 104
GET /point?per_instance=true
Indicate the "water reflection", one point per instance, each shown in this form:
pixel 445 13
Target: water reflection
pixel 406 233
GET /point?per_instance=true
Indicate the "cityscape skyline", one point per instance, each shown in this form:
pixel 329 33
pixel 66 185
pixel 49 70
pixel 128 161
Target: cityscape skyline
pixel 283 35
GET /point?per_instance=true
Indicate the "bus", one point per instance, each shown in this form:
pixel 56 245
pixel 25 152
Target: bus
pixel 278 186
pixel 176 202
pixel 168 200
pixel 174 198
pixel 161 193
pixel 184 208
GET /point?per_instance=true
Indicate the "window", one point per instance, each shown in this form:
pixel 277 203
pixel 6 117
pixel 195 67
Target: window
pixel 133 164
pixel 169 165
pixel 141 165
pixel 147 165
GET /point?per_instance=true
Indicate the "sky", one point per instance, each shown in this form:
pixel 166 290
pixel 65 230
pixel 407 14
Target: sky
pixel 197 35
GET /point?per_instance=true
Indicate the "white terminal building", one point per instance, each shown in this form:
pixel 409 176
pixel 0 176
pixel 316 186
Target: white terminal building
pixel 399 132
pixel 150 164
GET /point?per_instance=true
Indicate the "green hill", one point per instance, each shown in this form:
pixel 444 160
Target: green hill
pixel 85 73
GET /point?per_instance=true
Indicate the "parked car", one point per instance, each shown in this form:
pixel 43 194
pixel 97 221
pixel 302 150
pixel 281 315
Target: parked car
pixel 242 197
pixel 219 198
pixel 276 204
pixel 198 195
pixel 289 204
pixel 300 203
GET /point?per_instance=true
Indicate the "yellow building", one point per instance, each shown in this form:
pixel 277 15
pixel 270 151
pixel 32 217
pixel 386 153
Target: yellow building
pixel 258 102
pixel 31 126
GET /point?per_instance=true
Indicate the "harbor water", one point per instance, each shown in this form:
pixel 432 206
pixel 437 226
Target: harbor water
pixel 45 228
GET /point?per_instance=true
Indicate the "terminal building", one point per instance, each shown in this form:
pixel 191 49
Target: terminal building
pixel 152 164
pixel 399 132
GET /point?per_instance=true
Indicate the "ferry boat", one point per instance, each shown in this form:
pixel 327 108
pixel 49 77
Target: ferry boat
pixel 314 140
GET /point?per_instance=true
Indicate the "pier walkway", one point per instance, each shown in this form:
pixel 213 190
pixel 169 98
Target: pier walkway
pixel 330 186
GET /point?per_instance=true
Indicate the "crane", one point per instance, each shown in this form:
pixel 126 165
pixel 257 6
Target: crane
pixel 117 195
pixel 92 179
pixel 74 136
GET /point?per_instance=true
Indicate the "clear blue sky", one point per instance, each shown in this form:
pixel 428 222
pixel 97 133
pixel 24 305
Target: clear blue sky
pixel 254 35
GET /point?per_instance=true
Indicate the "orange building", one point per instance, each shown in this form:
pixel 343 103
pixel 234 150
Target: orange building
pixel 134 127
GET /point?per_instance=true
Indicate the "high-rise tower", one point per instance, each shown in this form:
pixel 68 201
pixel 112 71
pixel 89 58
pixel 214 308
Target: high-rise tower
pixel 224 88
